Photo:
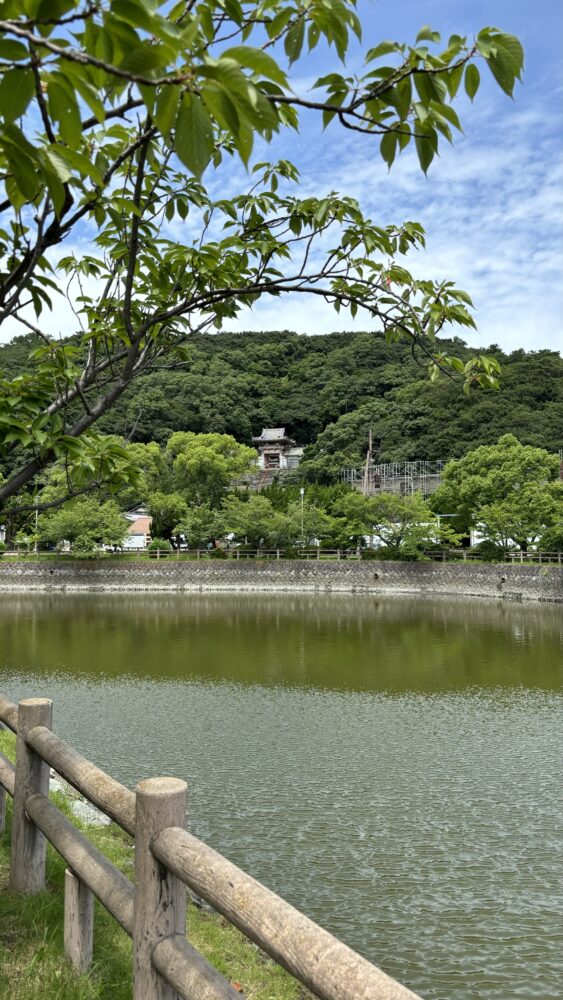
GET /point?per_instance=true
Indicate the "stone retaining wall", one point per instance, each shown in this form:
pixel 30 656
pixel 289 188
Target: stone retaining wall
pixel 523 583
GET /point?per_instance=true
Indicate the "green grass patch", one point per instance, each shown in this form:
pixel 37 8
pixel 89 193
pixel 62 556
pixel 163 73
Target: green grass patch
pixel 32 960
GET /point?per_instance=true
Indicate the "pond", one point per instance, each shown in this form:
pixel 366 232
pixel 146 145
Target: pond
pixel 390 766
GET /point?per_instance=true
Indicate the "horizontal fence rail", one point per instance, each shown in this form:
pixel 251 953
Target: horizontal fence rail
pixel 152 910
pixel 307 553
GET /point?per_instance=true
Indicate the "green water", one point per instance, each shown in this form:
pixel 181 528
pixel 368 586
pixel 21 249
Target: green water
pixel 391 766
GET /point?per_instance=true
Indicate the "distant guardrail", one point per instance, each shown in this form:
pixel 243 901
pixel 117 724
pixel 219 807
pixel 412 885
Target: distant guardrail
pixel 310 552
pixel 152 910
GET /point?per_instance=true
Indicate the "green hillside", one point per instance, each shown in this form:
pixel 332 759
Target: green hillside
pixel 329 391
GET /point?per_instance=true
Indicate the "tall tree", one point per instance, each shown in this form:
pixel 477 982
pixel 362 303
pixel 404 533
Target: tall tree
pixel 111 113
pixel 403 523
pixel 510 489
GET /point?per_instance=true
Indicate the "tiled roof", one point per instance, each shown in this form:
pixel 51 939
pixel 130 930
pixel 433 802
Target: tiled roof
pixel 271 434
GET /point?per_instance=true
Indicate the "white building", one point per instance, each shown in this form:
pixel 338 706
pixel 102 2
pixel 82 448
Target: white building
pixel 139 530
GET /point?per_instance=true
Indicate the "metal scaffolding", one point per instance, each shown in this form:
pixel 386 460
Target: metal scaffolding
pixel 402 478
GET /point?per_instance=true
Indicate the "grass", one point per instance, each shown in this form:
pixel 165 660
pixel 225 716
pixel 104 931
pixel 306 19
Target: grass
pixel 32 960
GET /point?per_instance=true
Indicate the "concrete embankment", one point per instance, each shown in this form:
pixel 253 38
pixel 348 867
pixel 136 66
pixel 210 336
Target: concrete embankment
pixel 533 582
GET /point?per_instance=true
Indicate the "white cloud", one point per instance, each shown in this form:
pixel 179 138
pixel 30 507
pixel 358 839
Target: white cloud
pixel 492 206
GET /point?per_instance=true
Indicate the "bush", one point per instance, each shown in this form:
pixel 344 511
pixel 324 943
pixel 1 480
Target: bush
pixel 385 554
pixel 86 552
pixel 217 554
pixel 490 551
pixel 160 544
pixel 3 547
pixel 552 540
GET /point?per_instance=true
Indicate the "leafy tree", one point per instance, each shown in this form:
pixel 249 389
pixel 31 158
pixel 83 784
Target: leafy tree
pixel 115 126
pixel 201 524
pixel 203 466
pixel 326 497
pixel 503 486
pixel 308 522
pixel 160 545
pixel 85 523
pixel 166 509
pixel 552 538
pixel 399 522
pixel 524 514
pixel 255 521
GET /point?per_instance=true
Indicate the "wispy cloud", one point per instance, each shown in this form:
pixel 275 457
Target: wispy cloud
pixel 492 205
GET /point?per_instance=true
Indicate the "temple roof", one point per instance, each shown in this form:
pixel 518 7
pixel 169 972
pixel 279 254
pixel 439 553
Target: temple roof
pixel 271 434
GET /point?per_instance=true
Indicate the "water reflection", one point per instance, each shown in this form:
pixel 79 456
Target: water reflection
pixel 341 642
pixel 391 766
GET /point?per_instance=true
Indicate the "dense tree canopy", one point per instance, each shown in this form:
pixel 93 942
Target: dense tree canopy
pixel 509 489
pixel 85 523
pixel 404 523
pixel 329 391
pixel 110 114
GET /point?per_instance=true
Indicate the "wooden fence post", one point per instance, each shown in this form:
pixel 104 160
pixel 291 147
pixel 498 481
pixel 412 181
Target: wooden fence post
pixel 27 864
pixel 78 922
pixel 160 897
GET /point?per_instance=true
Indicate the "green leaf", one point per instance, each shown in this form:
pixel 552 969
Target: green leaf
pixel 400 97
pixel 221 107
pixel 194 141
pixel 426 144
pixel 79 161
pixel 58 164
pixel 166 109
pixel 12 51
pixel 501 68
pixel 245 142
pixel 383 49
pixel 294 40
pixel 22 162
pixel 453 80
pixel 506 61
pixel 88 93
pixel 63 108
pixel 513 50
pixel 427 35
pixel 446 111
pixel 258 61
pixel 145 59
pixel 472 80
pixel 16 91
pixel 133 13
pixel 388 147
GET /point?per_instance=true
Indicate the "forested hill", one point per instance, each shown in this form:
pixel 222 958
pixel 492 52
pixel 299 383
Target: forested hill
pixel 330 389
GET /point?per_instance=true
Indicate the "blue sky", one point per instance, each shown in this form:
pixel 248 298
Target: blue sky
pixel 492 205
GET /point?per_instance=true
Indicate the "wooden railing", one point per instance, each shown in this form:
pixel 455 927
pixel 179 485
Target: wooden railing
pixel 167 860
pixel 513 556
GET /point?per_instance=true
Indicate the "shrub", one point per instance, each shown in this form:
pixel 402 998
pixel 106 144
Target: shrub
pixel 386 554
pixel 552 539
pixel 217 554
pixel 3 547
pixel 490 551
pixel 160 544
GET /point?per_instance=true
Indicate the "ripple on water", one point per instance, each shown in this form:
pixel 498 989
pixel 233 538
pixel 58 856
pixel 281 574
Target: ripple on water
pixel 421 824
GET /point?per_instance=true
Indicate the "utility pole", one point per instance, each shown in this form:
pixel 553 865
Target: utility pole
pixel 302 492
pixel 365 487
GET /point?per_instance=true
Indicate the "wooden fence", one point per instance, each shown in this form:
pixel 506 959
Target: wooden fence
pixel 311 552
pixel 167 860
